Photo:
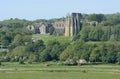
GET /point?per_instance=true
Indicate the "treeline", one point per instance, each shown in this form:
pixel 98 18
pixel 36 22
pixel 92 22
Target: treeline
pixel 100 33
pixel 33 51
pixel 105 52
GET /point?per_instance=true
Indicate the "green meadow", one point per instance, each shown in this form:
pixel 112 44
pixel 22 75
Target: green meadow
pixel 47 38
pixel 55 71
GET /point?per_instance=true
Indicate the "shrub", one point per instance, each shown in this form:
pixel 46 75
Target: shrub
pixel 0 63
pixel 29 62
pixel 70 62
pixel 21 61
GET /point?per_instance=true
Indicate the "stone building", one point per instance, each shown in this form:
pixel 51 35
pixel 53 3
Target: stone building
pixel 73 24
pixel 43 28
pixel 59 27
pixel 70 27
pixel 39 28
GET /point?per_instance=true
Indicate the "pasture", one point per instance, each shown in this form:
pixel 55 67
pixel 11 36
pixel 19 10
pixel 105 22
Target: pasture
pixel 46 38
pixel 54 71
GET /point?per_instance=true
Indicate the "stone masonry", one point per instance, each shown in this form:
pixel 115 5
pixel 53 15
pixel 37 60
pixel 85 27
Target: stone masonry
pixel 73 24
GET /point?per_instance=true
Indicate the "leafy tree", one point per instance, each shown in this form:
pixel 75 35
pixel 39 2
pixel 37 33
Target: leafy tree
pixel 0 63
pixel 116 31
pixel 18 40
pixel 30 47
pixel 111 54
pixel 111 21
pixel 94 56
pixel 37 46
pixel 84 33
pixel 51 30
pixel 96 17
pixel 21 61
pixel 76 37
pixel 112 38
pixel 33 58
pixel 118 57
pixel 45 56
pixel 52 51
pixel 6 37
pixel 18 51
pixel 96 34
pixel 103 52
pixel 26 39
pixel 74 50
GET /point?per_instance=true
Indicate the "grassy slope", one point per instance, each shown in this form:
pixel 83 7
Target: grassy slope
pixel 63 39
pixel 47 38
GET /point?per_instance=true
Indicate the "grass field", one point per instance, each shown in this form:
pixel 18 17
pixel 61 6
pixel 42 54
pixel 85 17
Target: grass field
pixel 58 75
pixel 40 71
pixel 46 38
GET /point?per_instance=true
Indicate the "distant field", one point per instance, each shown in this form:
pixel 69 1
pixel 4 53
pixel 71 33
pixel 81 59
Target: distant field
pixel 47 38
pixel 40 71
pixel 58 75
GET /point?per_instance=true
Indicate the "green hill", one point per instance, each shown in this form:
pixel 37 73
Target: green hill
pixel 46 38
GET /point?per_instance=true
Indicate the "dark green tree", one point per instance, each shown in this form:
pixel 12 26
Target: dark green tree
pixel 96 17
pixel 51 30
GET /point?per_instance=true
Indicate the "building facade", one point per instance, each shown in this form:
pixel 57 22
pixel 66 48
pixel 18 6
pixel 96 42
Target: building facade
pixel 73 24
pixel 59 27
pixel 69 27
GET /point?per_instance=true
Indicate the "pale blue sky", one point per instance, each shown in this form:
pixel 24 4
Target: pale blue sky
pixel 46 9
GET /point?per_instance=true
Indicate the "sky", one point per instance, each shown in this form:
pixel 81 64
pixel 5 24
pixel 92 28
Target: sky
pixel 47 9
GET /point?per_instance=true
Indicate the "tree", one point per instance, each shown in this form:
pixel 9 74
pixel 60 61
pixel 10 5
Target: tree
pixel 64 55
pixel 30 47
pixel 18 40
pixel 103 52
pixel 96 17
pixel 45 56
pixel 21 61
pixel 112 38
pixel 111 21
pixel 18 51
pixel 116 31
pixel 6 37
pixel 36 47
pixel 0 63
pixel 26 39
pixel 52 51
pixel 33 58
pixel 84 33
pixel 95 55
pixel 74 50
pixel 111 54
pixel 39 46
pixel 118 57
pixel 76 37
pixel 51 30
pixel 96 34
